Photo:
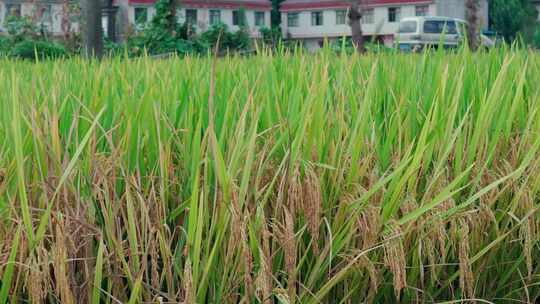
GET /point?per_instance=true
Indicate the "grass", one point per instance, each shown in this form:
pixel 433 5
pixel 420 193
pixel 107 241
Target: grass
pixel 287 178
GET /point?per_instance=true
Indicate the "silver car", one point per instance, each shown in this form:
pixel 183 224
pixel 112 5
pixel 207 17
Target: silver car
pixel 417 33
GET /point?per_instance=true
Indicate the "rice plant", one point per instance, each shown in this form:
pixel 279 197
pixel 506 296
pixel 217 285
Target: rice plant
pixel 277 178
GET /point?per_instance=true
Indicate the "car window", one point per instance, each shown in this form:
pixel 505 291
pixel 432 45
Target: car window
pixel 438 26
pixel 408 27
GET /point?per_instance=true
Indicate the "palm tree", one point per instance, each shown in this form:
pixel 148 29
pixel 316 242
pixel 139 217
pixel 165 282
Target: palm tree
pixel 355 17
pixel 473 33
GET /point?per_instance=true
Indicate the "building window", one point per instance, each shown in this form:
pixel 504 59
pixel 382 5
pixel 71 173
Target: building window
pixel 105 25
pixel 44 15
pixel 341 17
pixel 394 14
pixel 141 15
pixel 293 19
pixel 259 18
pixel 239 18
pixel 191 16
pixel 422 10
pixel 368 16
pixel 316 18
pixel 13 10
pixel 215 17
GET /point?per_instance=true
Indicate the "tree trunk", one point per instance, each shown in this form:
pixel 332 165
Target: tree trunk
pixel 355 17
pixel 66 23
pixel 473 33
pixel 92 29
pixel 171 22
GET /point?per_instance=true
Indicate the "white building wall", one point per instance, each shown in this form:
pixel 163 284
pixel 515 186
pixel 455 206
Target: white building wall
pixel 203 18
pixel 126 17
pixel 381 27
pixel 28 9
pixel 329 29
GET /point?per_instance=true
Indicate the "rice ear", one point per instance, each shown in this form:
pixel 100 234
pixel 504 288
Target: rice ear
pixel 394 258
pixel 312 206
pixel 294 192
pixel 247 259
pixel 466 276
pixel 288 244
pixel 189 293
pixel 61 266
pixel 264 278
pixel 37 288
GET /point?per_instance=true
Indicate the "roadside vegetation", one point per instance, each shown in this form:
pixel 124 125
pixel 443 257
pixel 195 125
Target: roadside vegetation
pixel 278 178
pixel 25 39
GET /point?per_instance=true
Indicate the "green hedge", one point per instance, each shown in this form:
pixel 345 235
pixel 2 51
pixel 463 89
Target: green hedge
pixel 30 49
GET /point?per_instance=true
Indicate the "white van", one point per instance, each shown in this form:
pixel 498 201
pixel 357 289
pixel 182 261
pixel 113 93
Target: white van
pixel 417 33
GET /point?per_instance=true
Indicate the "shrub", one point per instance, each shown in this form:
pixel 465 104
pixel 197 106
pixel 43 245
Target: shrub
pixel 228 41
pixel 217 32
pixel 271 36
pixel 161 35
pixel 345 45
pixel 536 38
pixel 20 28
pixel 185 47
pixel 30 49
pixel 5 46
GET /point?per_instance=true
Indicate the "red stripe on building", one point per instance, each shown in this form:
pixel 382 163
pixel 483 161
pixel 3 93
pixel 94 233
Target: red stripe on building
pixel 294 6
pixel 262 5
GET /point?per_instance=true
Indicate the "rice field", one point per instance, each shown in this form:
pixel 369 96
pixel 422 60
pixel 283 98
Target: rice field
pixel 277 178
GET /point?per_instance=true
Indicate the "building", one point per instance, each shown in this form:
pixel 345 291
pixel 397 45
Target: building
pixel 203 13
pixel 133 14
pixel 48 14
pixel 313 21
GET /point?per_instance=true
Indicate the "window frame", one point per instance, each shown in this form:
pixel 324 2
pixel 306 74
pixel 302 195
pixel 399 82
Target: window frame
pixel 239 18
pixel 404 29
pixel 394 12
pixel 424 9
pixel 45 7
pixel 189 18
pixel 138 20
pixel 8 7
pixel 371 15
pixel 317 18
pixel 445 29
pixel 339 15
pixel 259 16
pixel 296 19
pixel 212 14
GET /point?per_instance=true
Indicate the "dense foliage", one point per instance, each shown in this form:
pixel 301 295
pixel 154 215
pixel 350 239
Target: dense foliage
pixel 164 34
pixel 30 49
pixel 276 15
pixel 278 178
pixel 25 40
pixel 536 38
pixel 513 18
